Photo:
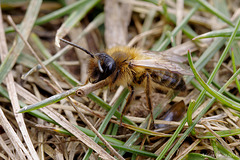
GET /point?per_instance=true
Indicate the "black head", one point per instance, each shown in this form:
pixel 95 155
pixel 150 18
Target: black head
pixel 101 67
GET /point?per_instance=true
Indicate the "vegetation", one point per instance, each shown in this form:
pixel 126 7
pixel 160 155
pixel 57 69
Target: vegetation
pixel 64 119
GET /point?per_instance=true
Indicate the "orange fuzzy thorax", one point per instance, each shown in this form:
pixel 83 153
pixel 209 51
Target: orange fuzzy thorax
pixel 122 57
pixel 133 53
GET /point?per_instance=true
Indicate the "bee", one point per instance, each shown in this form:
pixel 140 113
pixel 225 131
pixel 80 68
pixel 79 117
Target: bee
pixel 132 67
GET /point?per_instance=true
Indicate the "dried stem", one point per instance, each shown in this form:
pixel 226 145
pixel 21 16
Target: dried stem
pixel 85 90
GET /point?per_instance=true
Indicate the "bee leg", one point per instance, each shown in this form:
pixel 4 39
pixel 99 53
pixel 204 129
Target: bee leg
pixel 148 95
pixel 129 98
pixel 86 82
pixel 116 76
pixel 149 104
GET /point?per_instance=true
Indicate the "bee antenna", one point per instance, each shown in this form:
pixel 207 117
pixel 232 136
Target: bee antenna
pixel 77 46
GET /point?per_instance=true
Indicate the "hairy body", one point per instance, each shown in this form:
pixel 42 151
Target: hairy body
pixel 125 74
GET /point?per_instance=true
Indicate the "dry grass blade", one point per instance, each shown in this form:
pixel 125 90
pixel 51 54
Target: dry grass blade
pixel 70 120
pixel 179 15
pixel 183 154
pixel 115 23
pixel 182 48
pixel 50 75
pixel 65 124
pixel 25 28
pixel 83 136
pixel 13 95
pixel 144 34
pixel 33 52
pixel 20 148
pixel 81 115
pixel 74 18
pixel 217 136
pixel 76 132
pixel 6 148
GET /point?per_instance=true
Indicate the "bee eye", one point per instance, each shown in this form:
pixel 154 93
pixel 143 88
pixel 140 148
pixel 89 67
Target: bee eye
pixel 102 68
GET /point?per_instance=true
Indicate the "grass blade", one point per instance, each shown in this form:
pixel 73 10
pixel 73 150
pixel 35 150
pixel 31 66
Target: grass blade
pixel 25 29
pixel 214 11
pixel 173 150
pixel 223 99
pixel 74 18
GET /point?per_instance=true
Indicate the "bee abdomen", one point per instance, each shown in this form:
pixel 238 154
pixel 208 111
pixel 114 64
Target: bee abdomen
pixel 180 86
pixel 169 79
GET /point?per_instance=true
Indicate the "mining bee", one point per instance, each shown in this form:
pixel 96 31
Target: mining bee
pixel 132 67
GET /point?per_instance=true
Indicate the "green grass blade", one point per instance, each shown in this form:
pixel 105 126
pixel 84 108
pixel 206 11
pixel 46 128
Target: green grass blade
pixel 173 150
pixel 225 133
pixel 54 15
pixel 223 99
pixel 197 156
pixel 206 56
pixel 35 113
pixel 156 2
pixel 215 12
pixel 219 33
pixel 98 20
pixel 106 106
pixel 56 66
pixel 221 5
pixel 48 101
pixel 107 119
pixel 236 51
pixel 134 151
pixel 221 152
pixel 189 114
pixel 178 28
pixel 75 17
pixel 199 87
pixel 166 28
pixel 157 110
pixel 226 93
pixel 61 12
pixel 27 60
pixel 234 70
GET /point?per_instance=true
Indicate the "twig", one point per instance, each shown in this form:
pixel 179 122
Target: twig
pixel 85 90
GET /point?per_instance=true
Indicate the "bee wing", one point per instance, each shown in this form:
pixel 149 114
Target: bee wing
pixel 163 64
pixel 165 55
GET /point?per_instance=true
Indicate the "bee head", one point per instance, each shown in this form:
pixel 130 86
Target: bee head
pixel 100 67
